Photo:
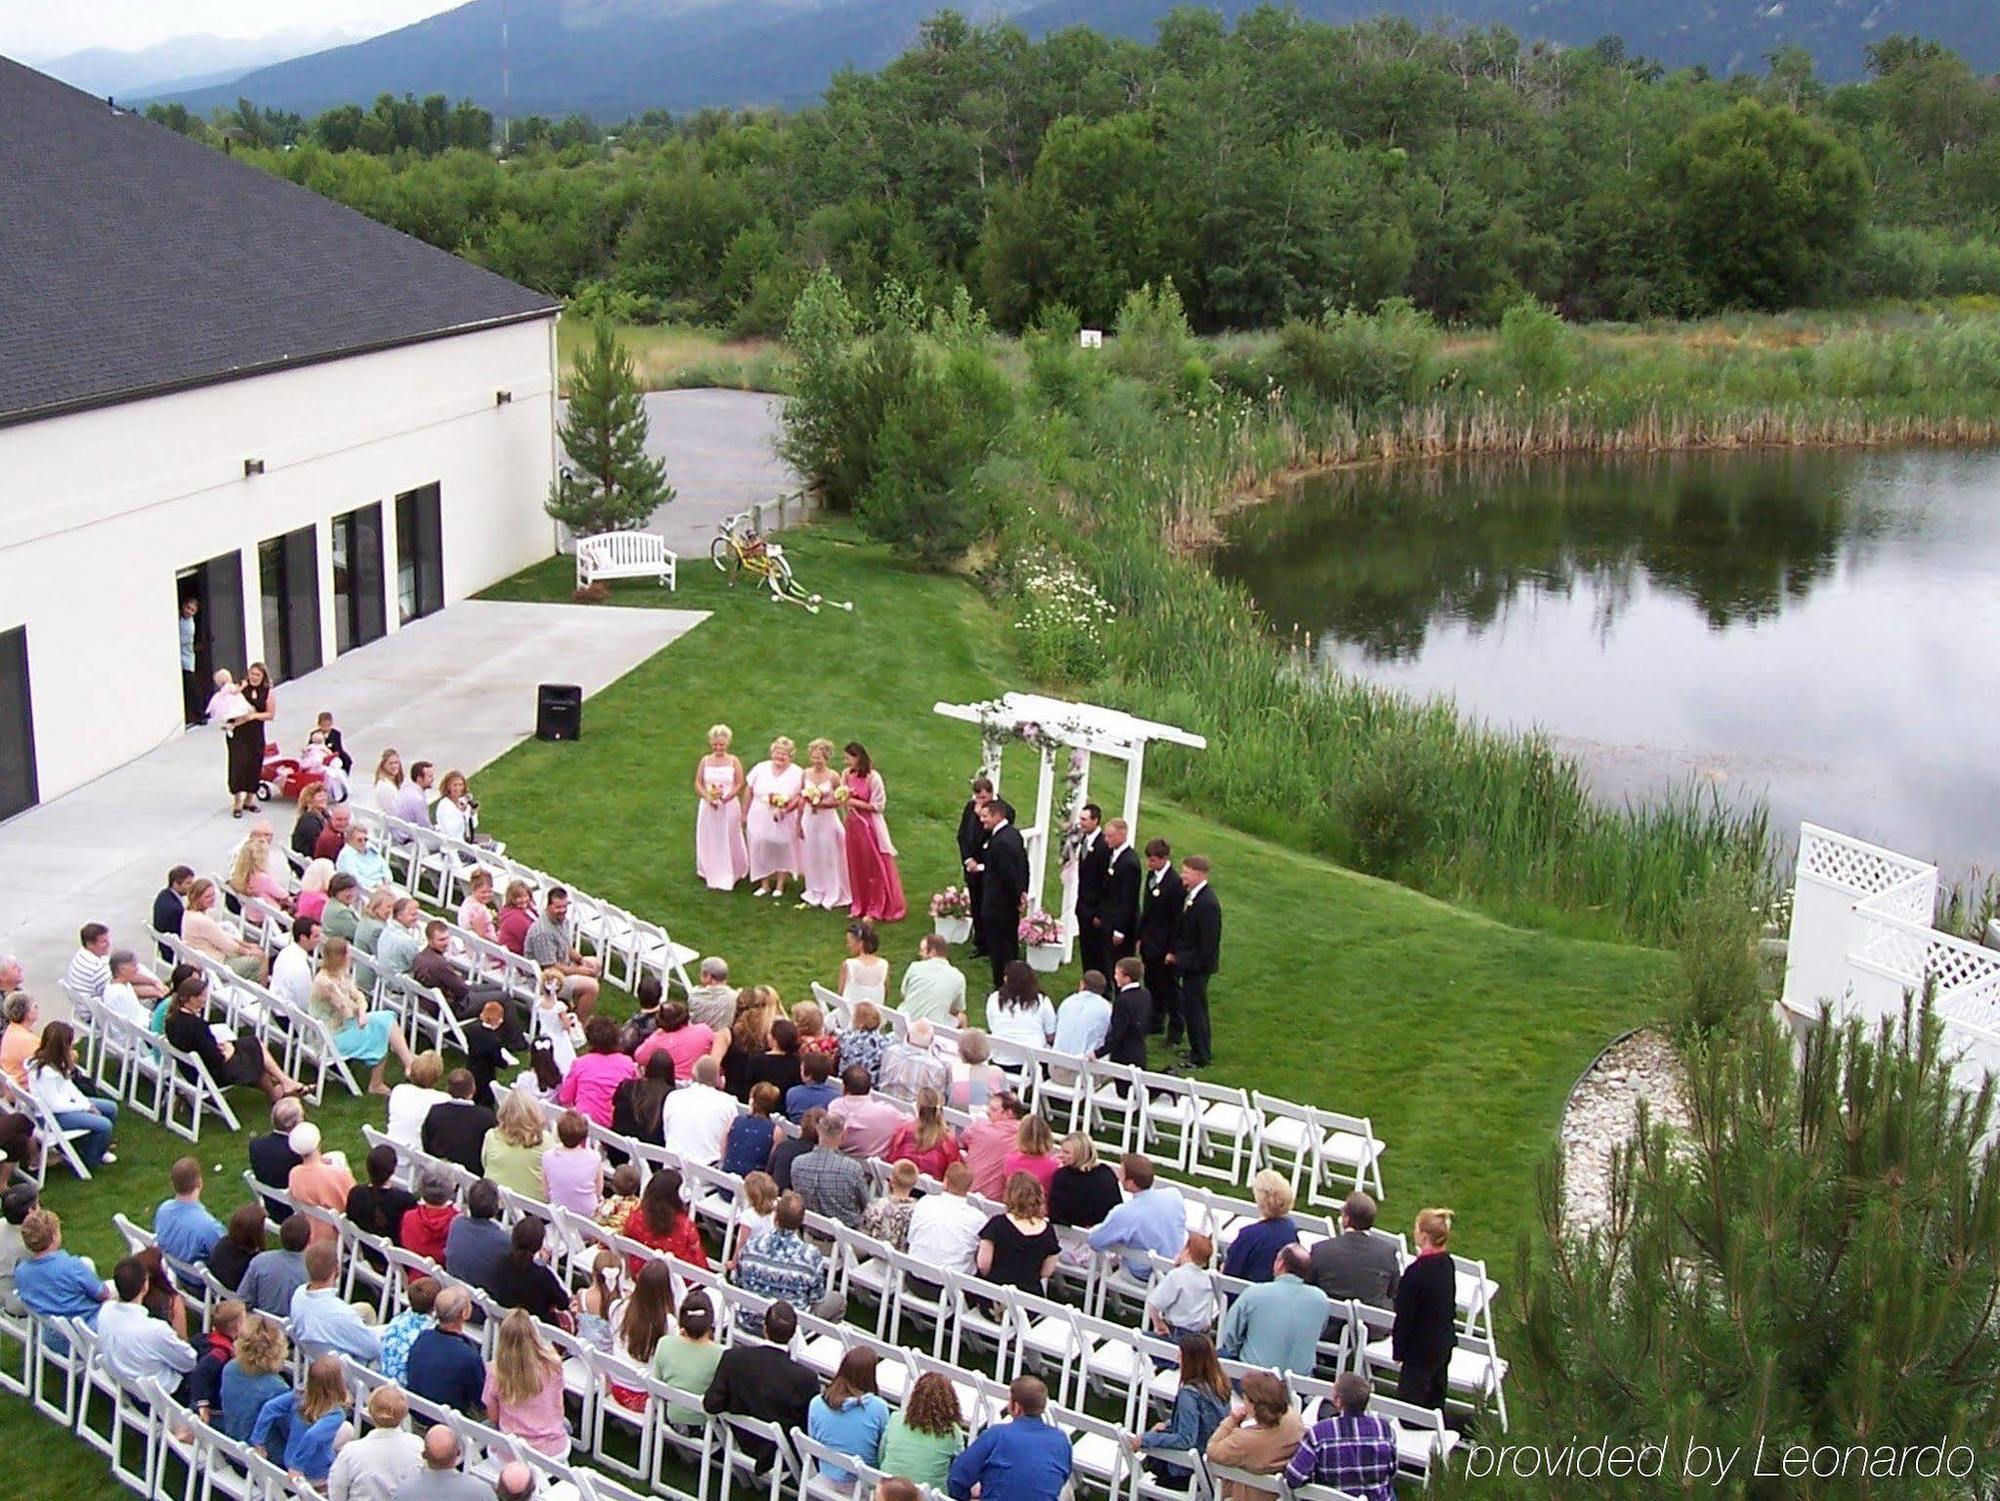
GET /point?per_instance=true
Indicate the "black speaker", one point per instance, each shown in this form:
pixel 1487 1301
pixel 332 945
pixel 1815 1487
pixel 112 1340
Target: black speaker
pixel 558 711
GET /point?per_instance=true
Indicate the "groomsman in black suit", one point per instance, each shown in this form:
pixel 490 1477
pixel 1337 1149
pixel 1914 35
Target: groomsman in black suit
pixel 972 851
pixel 1131 1017
pixel 1004 867
pixel 1093 878
pixel 1197 954
pixel 1159 912
pixel 1121 891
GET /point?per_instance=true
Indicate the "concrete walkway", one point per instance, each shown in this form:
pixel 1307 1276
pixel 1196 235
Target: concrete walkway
pixel 457 689
pixel 720 449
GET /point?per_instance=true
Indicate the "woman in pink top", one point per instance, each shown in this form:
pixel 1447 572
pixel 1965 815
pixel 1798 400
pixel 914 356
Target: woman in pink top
pixel 682 1040
pixel 573 1173
pixel 475 913
pixel 1034 1153
pixel 595 1076
pixel 524 1388
pixel 311 899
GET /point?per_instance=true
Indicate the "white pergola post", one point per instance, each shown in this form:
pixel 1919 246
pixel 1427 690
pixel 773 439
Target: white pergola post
pixel 989 760
pixel 1068 875
pixel 1038 857
pixel 1134 765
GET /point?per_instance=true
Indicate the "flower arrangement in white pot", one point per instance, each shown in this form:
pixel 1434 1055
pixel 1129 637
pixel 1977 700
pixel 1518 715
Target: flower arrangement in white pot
pixel 951 914
pixel 1041 935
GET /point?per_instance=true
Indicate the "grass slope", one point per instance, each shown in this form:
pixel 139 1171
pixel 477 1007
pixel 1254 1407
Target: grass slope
pixel 1458 1035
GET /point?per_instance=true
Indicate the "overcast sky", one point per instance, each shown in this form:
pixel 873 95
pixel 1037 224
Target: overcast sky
pixel 50 28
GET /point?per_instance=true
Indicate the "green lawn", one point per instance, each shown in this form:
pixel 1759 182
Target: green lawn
pixel 1457 1035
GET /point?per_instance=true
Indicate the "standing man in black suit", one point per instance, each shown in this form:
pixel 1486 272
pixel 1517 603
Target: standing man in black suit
pixel 1197 954
pixel 1159 912
pixel 1121 891
pixel 972 852
pixel 1131 1017
pixel 1093 880
pixel 1004 868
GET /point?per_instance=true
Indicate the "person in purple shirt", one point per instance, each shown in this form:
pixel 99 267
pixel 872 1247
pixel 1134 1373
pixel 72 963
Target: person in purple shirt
pixel 1350 1448
pixel 413 803
pixel 1023 1460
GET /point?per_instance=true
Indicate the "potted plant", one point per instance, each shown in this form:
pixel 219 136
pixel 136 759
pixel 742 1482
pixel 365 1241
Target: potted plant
pixel 951 914
pixel 1042 937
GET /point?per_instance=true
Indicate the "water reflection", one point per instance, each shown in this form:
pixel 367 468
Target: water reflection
pixel 1820 627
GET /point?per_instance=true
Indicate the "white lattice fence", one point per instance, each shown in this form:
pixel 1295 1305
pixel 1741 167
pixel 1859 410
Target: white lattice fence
pixel 1855 865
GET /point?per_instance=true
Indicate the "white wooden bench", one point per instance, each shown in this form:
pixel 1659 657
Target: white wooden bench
pixel 625 555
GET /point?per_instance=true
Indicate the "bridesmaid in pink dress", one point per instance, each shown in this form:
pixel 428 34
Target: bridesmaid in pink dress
pixel 825 858
pixel 772 823
pixel 721 858
pixel 875 889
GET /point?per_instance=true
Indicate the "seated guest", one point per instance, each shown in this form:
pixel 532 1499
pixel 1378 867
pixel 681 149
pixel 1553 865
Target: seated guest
pixel 637 1105
pixel 57 1085
pixel 1260 1436
pixel 360 1034
pixel 402 940
pixel 244 1060
pixel 369 867
pixel 945 1228
pixel 301 1430
pixel 1349 1448
pixel 241 1243
pixel 401 1332
pixel 412 798
pixel 933 987
pixel 168 906
pixel 311 897
pixel 182 1226
pixel 322 1320
pixel 759 1379
pixel 517 916
pixel 378 1206
pixel 791 1148
pixel 1277 1324
pixel 988 1142
pixel 205 934
pixel 813 1035
pixel 1018 1012
pixel 573 1169
pixel 1018 1246
pixel 426 1227
pixel 523 1395
pixel 512 1154
pixel 687 1356
pixel 1034 1152
pixel 213 1351
pixel 684 1041
pixel 1025 1459
pixel 456 813
pixel 814 1092
pixel 255 1373
pixel 1083 1020
pixel 927 1141
pixel 713 1001
pixel 870 1121
pixel 271 1156
pixel 777 1064
pixel 273 1276
pixel 697 1117
pixel 89 967
pixel 974 1080
pixel 523 1279
pixel 924 1436
pixel 1183 1300
pixel 595 1076
pixel 333 838
pixel 1255 1248
pixel 1201 1401
pixel 621 1198
pixel 477 1242
pixel 431 967
pixel 830 1181
pixel 850 1417
pixel 375 910
pixel 1354 1263
pixel 476 913
pixel 456 1130
pixel 747 1147
pixel 647 997
pixel 1082 1191
pixel 663 1223
pixel 342 915
pixel 1153 1219
pixel 130 992
pixel 444 1366
pixel 292 970
pixel 887 1219
pixel 310 820
pixel 440 1479
pixel 50 1281
pixel 374 1466
pixel 551 943
pixel 250 874
pixel 411 1101
pixel 862 1039
pixel 913 1063
pixel 782 1264
pixel 318 1180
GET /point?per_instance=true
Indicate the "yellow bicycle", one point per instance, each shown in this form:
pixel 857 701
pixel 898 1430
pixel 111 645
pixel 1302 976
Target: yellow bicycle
pixel 740 551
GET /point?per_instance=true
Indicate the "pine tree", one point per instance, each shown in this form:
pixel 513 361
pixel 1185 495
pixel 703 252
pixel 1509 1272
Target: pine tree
pixel 612 484
pixel 1818 1265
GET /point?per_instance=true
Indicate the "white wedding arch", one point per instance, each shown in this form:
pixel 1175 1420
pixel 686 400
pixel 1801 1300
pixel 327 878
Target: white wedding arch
pixel 1054 726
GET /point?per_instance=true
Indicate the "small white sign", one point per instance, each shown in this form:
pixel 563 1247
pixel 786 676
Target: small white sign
pixel 1091 338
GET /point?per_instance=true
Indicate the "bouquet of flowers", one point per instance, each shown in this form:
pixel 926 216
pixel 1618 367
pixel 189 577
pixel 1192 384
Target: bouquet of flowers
pixel 776 800
pixel 814 794
pixel 953 901
pixel 1039 928
pixel 840 795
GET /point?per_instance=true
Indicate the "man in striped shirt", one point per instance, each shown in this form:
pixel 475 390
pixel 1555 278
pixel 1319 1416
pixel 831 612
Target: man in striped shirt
pixel 1353 1450
pixel 90 971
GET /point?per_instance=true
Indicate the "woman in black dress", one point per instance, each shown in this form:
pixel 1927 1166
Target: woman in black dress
pixel 637 1104
pixel 778 1064
pixel 246 739
pixel 1018 1248
pixel 1426 1328
pixel 1083 1190
pixel 243 1239
pixel 244 1061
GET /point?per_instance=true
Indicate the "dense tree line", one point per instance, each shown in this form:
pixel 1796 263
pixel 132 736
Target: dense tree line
pixel 1275 170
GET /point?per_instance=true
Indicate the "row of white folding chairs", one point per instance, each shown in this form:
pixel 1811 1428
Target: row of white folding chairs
pixel 629 946
pixel 141 1069
pixel 54 1137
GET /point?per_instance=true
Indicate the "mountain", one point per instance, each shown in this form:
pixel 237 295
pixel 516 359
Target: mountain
pixel 184 62
pixel 613 58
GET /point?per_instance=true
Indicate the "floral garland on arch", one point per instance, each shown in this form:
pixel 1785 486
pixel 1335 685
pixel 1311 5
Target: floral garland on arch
pixel 994 733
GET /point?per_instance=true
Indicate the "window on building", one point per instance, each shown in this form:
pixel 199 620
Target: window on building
pixel 419 553
pixel 288 573
pixel 359 609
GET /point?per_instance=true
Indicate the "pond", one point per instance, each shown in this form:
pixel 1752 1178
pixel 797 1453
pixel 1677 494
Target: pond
pixel 1819 629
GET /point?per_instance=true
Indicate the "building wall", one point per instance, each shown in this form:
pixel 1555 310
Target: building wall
pixel 100 510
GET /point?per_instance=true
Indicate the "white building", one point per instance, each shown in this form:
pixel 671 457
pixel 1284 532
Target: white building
pixel 216 384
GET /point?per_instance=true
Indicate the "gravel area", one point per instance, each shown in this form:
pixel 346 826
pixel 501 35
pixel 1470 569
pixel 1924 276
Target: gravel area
pixel 1604 1112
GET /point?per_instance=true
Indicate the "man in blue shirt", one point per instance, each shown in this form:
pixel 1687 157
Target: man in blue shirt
pixel 1276 1325
pixel 444 1366
pixel 182 1227
pixel 322 1320
pixel 1152 1218
pixel 51 1282
pixel 1023 1460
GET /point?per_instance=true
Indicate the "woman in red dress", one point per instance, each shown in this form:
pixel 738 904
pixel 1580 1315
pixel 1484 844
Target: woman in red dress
pixel 875 888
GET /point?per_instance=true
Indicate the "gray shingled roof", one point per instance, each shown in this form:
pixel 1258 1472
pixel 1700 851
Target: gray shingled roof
pixel 134 261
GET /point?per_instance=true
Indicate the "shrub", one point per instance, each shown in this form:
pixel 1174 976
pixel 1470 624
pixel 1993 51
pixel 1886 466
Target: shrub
pixel 1717 941
pixel 1153 338
pixel 1536 346
pixel 820 335
pixel 919 498
pixel 1364 361
pixel 1970 269
pixel 1894 261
